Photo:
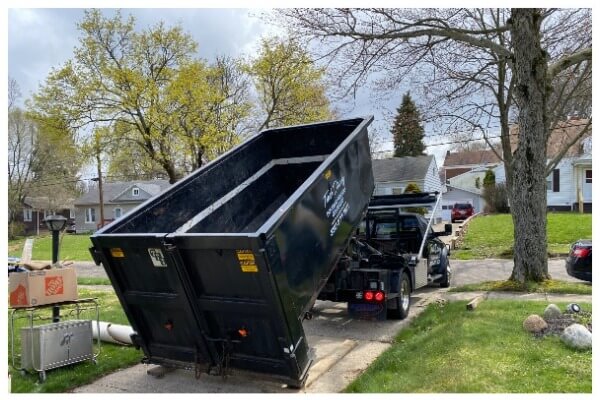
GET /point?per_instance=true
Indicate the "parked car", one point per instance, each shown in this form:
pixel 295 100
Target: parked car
pixel 461 211
pixel 579 261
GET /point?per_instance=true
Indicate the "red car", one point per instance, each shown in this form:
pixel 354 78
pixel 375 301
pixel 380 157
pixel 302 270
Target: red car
pixel 461 211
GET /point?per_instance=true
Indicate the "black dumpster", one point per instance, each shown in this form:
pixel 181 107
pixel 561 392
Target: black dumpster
pixel 220 270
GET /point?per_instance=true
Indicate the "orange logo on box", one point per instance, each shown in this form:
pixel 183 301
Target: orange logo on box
pixel 18 297
pixel 54 285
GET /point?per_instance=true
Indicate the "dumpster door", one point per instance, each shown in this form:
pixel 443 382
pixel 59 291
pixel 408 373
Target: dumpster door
pixel 143 273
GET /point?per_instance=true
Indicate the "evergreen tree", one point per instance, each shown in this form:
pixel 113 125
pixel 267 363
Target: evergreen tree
pixel 407 130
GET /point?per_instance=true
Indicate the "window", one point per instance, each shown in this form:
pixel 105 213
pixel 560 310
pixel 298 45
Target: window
pixel 135 192
pixel 553 181
pixel 118 212
pixel 27 214
pixel 71 213
pixel 90 215
pixel 588 176
pixel 398 190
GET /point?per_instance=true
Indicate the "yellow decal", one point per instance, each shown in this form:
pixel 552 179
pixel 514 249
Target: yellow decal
pixel 247 261
pixel 327 174
pixel 117 252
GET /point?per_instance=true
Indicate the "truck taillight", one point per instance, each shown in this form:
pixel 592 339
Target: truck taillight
pixel 369 296
pixel 379 296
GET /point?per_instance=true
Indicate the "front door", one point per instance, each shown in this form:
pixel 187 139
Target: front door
pixel 587 185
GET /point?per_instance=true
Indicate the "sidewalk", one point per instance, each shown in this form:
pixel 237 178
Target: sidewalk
pixel 548 297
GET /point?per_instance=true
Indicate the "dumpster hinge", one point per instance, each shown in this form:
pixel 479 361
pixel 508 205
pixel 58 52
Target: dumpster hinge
pixel 169 246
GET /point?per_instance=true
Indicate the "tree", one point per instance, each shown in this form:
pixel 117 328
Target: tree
pixel 489 190
pixel 478 68
pixel 148 88
pixel 290 87
pixel 43 159
pixel 407 130
pixel 413 187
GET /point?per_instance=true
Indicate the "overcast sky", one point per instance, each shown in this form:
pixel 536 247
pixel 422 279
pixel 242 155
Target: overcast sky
pixel 40 39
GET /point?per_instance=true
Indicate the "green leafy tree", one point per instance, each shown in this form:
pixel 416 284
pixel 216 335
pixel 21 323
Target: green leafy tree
pixel 489 190
pixel 149 89
pixel 407 130
pixel 412 187
pixel 289 85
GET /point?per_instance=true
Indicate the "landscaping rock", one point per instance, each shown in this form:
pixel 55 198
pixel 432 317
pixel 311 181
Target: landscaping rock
pixel 577 336
pixel 534 324
pixel 551 312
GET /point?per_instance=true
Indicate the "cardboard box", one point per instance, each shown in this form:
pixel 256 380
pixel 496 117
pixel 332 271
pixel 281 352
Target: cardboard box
pixel 35 288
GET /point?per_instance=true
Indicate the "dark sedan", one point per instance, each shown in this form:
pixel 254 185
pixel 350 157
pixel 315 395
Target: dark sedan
pixel 579 261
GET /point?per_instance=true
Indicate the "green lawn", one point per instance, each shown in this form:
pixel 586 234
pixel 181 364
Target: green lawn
pixel 72 247
pixel 450 350
pixel 111 358
pixel 548 286
pixel 491 236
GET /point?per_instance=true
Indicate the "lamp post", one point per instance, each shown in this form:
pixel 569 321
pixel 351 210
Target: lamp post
pixel 55 224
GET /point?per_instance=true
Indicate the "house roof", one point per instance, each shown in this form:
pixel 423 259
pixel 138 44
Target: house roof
pixel 563 134
pixel 117 192
pixel 472 191
pixel 399 169
pixel 474 157
pixel 44 203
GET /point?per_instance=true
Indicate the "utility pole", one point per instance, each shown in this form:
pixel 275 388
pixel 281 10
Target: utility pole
pixel 99 178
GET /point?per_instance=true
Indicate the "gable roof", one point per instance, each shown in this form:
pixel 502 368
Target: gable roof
pixel 564 132
pixel 121 191
pixel 399 169
pixel 44 203
pixel 475 157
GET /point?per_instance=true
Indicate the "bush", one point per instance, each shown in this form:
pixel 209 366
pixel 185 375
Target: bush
pixel 15 229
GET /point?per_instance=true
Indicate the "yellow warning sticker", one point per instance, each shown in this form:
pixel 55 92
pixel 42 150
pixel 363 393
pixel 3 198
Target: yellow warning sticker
pixel 247 261
pixel 327 174
pixel 117 252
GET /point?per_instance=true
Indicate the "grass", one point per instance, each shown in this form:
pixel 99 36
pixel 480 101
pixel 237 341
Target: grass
pixel 450 350
pixel 548 286
pixel 72 247
pixel 111 358
pixel 491 236
pixel 83 280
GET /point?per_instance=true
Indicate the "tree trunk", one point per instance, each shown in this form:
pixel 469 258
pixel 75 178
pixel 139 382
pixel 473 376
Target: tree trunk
pixel 528 194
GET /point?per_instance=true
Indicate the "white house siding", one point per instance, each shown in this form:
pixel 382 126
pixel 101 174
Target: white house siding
pixel 382 188
pixel 432 179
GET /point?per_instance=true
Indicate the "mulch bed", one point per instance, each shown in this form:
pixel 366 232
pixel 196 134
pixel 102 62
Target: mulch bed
pixel 556 326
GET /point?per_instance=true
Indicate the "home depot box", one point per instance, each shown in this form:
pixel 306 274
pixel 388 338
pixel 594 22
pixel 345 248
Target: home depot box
pixel 35 288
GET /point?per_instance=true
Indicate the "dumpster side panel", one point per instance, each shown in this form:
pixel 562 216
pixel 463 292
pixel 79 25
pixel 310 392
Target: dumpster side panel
pixel 314 234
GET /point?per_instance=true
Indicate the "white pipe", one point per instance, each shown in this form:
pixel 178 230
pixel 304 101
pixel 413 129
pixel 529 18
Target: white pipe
pixel 113 333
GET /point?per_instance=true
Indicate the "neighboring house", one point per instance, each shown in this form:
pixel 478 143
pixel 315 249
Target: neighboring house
pixel 392 175
pixel 118 197
pixel 463 189
pixel 36 209
pixel 569 185
pixel 464 161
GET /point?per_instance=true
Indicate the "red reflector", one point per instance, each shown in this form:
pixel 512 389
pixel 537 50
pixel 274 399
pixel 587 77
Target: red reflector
pixel 243 332
pixel 368 296
pixel 379 296
pixel 581 252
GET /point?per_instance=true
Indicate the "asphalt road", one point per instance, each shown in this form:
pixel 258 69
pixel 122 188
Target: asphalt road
pixel 464 272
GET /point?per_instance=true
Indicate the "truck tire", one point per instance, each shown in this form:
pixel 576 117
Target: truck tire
pixel 402 302
pixel 445 282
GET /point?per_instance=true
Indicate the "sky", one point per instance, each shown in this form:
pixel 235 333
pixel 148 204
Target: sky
pixel 40 39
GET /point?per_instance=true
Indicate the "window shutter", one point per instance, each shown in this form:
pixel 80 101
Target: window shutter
pixel 556 180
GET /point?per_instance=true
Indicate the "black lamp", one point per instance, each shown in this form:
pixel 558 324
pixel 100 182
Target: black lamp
pixel 55 223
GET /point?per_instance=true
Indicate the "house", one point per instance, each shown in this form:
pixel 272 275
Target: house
pixel 458 163
pixel 36 209
pixel 118 199
pixel 392 175
pixel 569 185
